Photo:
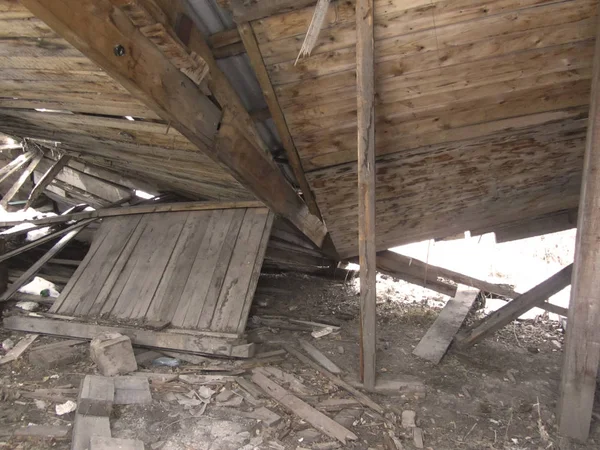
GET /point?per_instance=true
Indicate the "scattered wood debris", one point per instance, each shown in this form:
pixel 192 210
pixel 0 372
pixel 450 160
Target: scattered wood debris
pixel 319 357
pixel 18 349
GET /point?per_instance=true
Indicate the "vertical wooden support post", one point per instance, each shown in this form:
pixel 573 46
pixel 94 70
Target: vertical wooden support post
pixel 582 346
pixel 365 91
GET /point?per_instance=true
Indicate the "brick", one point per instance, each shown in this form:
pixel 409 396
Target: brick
pixel 113 354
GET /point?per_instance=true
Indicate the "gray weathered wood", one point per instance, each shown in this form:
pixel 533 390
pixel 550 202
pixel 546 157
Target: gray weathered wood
pixel 319 357
pixel 15 352
pixel 365 87
pixel 44 239
pixel 145 338
pixel 43 431
pixel 438 338
pixel 46 179
pixel 520 305
pixel 21 180
pixel 582 343
pixel 30 273
pixel 143 209
pixel 15 165
pixel 303 410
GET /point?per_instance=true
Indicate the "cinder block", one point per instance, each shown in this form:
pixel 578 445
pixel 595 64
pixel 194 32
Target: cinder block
pixel 97 396
pixel 132 390
pixel 113 354
pixel 109 443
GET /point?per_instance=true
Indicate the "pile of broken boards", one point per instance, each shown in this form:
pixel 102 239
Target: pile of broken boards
pixel 293 398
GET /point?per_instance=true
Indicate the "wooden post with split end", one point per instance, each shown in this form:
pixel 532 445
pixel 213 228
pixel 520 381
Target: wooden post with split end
pixel 582 344
pixel 366 188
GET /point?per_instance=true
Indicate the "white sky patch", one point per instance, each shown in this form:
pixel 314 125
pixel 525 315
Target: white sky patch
pixel 129 118
pixel 142 194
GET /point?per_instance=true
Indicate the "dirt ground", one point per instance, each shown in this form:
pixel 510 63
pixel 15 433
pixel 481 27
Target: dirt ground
pixel 501 394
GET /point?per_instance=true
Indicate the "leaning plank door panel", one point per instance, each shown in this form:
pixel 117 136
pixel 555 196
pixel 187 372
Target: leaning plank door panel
pixel 196 270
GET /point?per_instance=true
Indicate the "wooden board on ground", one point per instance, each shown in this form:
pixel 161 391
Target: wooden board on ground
pixel 197 270
pixel 438 338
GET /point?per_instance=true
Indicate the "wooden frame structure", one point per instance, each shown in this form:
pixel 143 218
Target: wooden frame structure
pixel 475 107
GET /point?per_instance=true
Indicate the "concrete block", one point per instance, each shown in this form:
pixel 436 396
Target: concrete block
pixel 113 354
pixel 87 427
pixel 109 443
pixel 45 359
pixel 132 390
pixel 97 396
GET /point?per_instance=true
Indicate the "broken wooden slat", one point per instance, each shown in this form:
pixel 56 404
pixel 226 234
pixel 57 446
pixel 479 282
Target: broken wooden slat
pixel 303 410
pixel 245 12
pixel 15 165
pixel 318 356
pixel 29 273
pixel 520 305
pixel 22 179
pixel 47 179
pixel 43 431
pixel 44 239
pixel 145 338
pixel 362 398
pixel 438 338
pixel 18 349
pixel 143 209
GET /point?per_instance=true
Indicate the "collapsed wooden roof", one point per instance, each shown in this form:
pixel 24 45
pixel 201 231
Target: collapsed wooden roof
pixel 481 110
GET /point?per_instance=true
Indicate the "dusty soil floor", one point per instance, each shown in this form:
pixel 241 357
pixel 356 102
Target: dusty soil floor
pixel 501 394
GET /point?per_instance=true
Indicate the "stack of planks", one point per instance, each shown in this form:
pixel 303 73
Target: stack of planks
pixel 478 102
pixel 195 270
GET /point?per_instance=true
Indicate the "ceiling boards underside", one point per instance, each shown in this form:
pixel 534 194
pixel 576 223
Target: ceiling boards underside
pixel 41 71
pixel 481 111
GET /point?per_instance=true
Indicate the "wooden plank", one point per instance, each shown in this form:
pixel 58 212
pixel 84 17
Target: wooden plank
pixel 22 179
pixel 258 265
pixel 435 343
pixel 582 341
pixel 15 165
pixel 43 240
pixel 249 40
pixel 392 262
pixel 168 296
pixel 318 356
pixel 520 305
pixel 46 179
pixel 366 190
pixel 303 410
pixel 233 295
pixel 15 352
pixel 362 398
pixel 88 293
pixel 141 209
pixel 30 273
pixel 299 215
pixel 144 338
pixel 209 262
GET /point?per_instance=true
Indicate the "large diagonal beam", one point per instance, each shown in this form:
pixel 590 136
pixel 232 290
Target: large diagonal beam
pixel 105 34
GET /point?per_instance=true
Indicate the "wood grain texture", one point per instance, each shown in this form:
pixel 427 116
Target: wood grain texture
pixel 365 95
pixel 438 337
pixel 582 342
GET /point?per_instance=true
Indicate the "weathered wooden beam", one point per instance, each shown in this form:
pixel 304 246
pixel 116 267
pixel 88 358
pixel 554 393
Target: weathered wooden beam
pixel 47 179
pixel 226 43
pixel 145 338
pixel 105 34
pixel 30 273
pixel 582 342
pixel 40 241
pixel 512 310
pixel 365 87
pixel 15 165
pixel 243 12
pixel 395 264
pixel 141 209
pixel 297 212
pixel 262 75
pixel 22 179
